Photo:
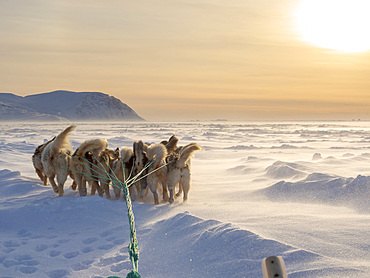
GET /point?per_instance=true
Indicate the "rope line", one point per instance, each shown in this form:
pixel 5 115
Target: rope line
pixel 133 248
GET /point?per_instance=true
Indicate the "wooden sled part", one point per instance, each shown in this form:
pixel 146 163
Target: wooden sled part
pixel 274 267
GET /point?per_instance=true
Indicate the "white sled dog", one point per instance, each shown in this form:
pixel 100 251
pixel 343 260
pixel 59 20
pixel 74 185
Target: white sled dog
pixel 55 160
pixel 82 165
pixel 157 170
pixel 37 164
pixel 179 170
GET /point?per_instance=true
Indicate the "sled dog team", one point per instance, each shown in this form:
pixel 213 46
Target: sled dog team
pixel 158 167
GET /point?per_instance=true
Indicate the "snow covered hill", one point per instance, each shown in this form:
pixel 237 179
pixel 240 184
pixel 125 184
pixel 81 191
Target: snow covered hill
pixel 9 112
pixel 65 105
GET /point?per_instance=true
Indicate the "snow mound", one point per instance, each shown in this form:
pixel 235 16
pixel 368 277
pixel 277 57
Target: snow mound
pixel 241 170
pixel 188 138
pixel 284 146
pixel 13 185
pixel 282 170
pixel 327 189
pixel 211 248
pixel 242 147
pixel 318 177
pixel 121 141
pixel 316 156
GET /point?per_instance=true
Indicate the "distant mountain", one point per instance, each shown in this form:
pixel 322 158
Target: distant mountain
pixel 11 113
pixel 65 105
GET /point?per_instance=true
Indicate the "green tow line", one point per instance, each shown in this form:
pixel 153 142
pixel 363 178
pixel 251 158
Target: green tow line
pixel 133 248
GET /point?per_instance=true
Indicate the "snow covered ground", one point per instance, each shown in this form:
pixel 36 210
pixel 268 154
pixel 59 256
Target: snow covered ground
pixel 300 190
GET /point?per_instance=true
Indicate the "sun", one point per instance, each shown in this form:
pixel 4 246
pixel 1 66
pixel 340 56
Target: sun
pixel 336 24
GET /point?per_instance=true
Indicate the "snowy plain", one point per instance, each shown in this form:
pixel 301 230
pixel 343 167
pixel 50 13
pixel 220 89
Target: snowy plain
pixel 300 190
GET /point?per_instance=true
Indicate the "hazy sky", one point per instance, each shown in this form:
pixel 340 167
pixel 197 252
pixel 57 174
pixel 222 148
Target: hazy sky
pixel 182 59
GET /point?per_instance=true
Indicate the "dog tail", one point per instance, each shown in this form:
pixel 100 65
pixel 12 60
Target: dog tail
pixel 139 147
pixel 126 154
pixel 171 145
pixel 95 146
pixel 156 152
pixel 61 141
pixel 41 147
pixel 186 152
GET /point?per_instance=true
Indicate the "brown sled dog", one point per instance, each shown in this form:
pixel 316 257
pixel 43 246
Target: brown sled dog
pixel 140 166
pixel 135 164
pixel 82 165
pixel 171 144
pixel 103 165
pixel 55 160
pixel 122 169
pixel 36 161
pixel 179 170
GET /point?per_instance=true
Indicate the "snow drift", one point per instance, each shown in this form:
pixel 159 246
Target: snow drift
pixel 47 236
pixel 244 204
pixel 324 188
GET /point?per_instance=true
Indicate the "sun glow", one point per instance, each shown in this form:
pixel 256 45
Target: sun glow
pixel 336 24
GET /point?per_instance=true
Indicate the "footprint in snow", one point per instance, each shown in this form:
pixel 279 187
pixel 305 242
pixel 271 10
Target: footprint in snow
pixel 105 234
pixel 112 260
pixel 26 259
pixel 41 247
pixel 107 246
pixel 87 250
pixel 23 257
pixel 71 255
pixel 54 253
pixel 119 242
pixel 111 238
pixel 31 263
pixel 9 263
pixel 82 265
pixel 11 244
pixel 58 273
pixel 89 240
pixel 121 266
pixel 28 269
pixel 24 233
pixel 74 234
pixel 8 250
pixel 26 262
pixel 63 241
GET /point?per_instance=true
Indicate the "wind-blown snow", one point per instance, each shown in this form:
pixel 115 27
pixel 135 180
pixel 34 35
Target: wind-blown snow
pixel 321 188
pixel 246 203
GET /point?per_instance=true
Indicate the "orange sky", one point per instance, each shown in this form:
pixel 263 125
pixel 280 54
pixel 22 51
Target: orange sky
pixel 182 60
